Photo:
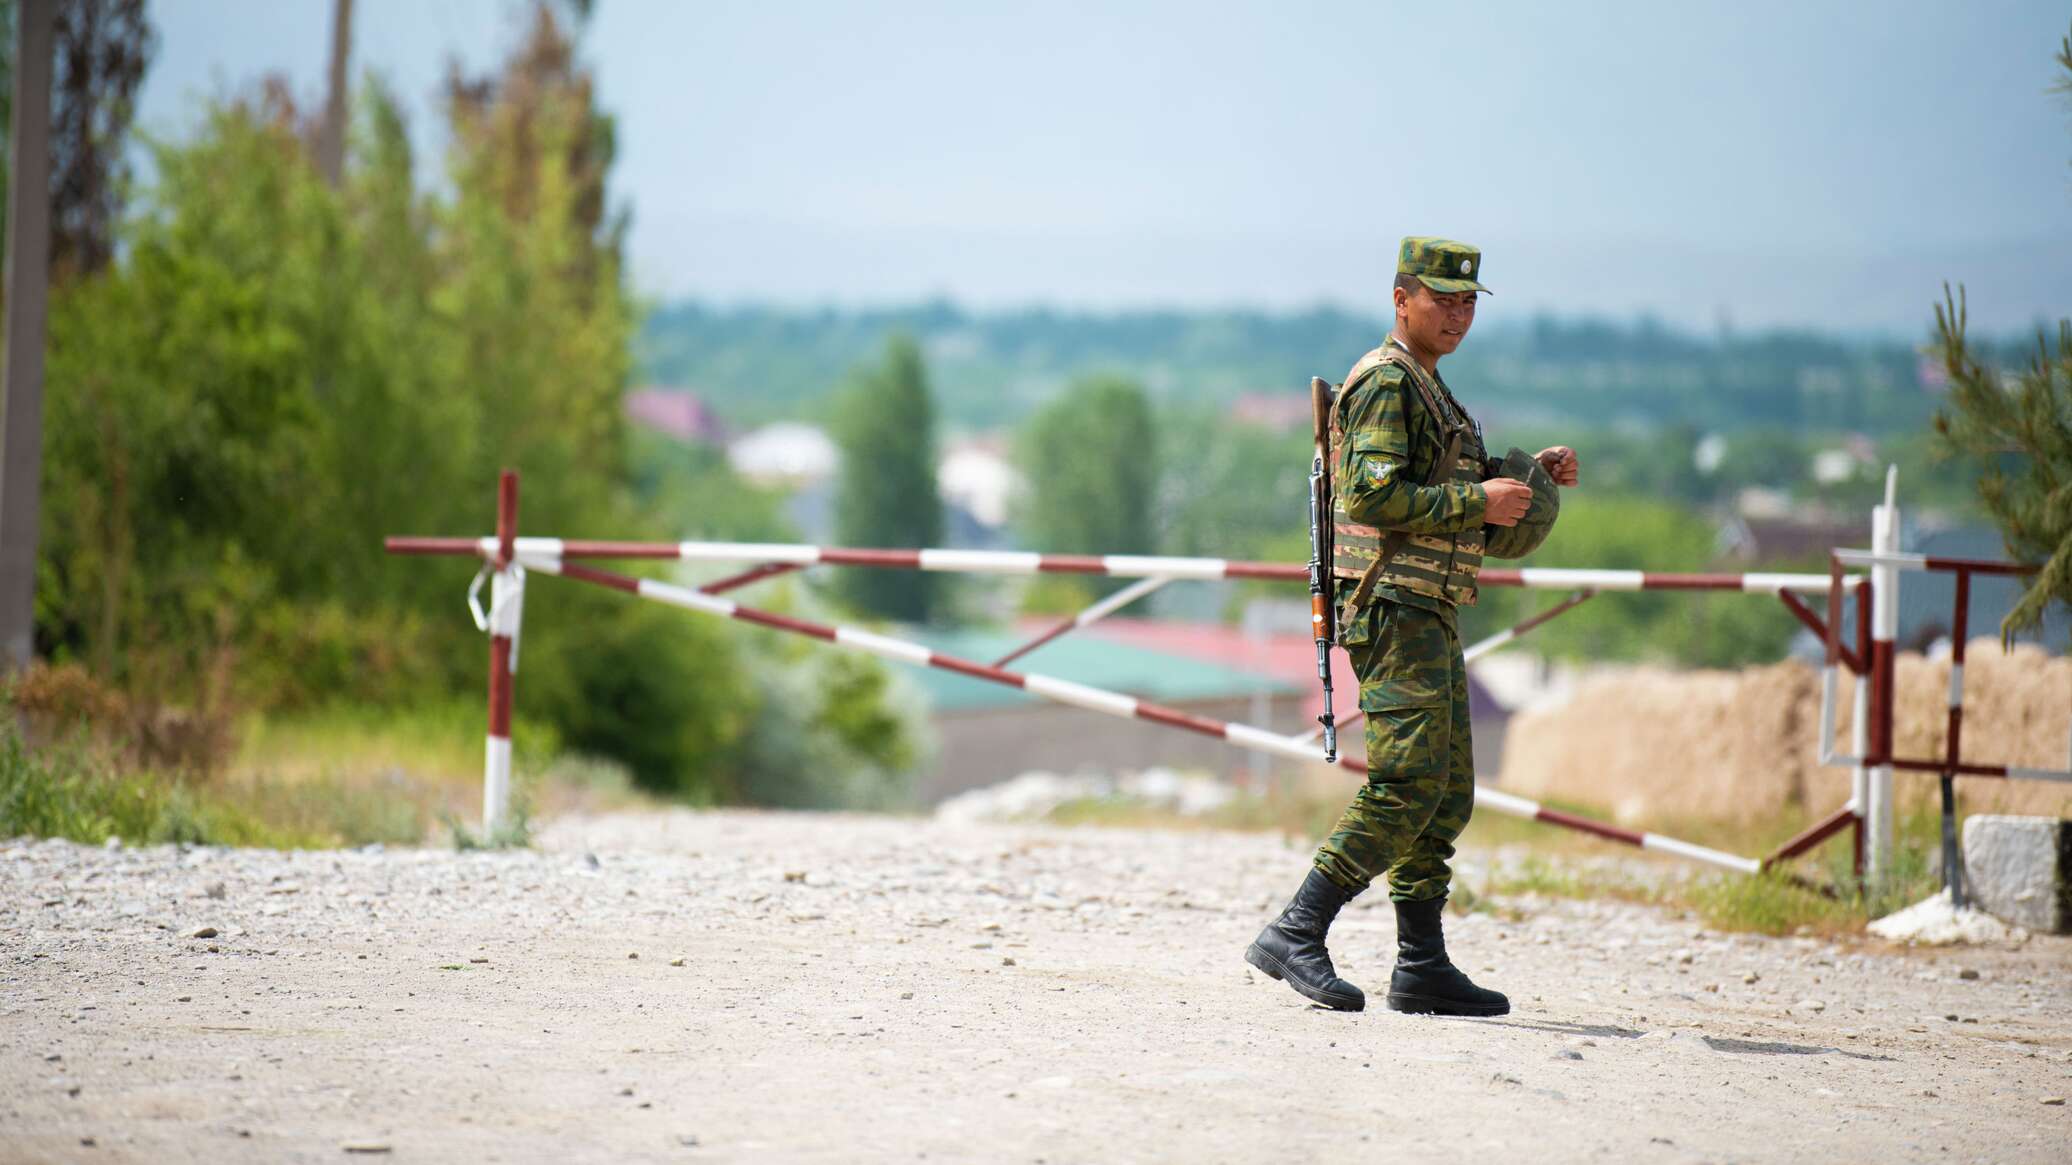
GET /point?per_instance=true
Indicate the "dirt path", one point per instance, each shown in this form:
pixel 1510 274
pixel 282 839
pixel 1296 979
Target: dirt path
pixel 877 989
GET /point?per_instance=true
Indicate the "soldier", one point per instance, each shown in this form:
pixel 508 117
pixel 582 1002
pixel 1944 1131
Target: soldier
pixel 1414 488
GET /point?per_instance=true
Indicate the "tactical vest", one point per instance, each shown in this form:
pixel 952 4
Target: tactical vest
pixel 1442 566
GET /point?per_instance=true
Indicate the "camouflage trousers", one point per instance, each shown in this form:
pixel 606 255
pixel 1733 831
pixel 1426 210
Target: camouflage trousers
pixel 1420 786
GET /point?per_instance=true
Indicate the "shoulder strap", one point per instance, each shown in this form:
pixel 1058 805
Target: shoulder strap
pixel 1429 392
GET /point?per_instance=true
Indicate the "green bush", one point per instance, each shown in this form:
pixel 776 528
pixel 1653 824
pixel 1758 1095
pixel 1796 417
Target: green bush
pixel 297 656
pixel 656 689
pixel 833 729
pixel 66 791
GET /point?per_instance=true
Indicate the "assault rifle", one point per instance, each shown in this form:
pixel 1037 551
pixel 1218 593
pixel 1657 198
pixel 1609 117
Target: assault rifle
pixel 1323 614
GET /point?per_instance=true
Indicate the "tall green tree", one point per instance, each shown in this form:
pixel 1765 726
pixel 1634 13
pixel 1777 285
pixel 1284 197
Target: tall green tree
pixel 1091 460
pixel 272 372
pixel 1238 491
pixel 2018 427
pixel 537 289
pixel 884 425
pixel 103 49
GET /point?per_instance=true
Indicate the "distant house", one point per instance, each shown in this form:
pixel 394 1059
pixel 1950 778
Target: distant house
pixel 1762 502
pixel 1756 538
pixel 1291 658
pixel 990 733
pixel 976 476
pixel 676 413
pixel 788 453
pixel 1855 456
pixel 973 476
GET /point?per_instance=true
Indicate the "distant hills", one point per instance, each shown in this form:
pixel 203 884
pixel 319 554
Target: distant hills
pixel 754 364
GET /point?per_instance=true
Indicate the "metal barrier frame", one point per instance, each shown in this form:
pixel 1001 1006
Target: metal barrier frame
pixel 1877 752
pixel 508 557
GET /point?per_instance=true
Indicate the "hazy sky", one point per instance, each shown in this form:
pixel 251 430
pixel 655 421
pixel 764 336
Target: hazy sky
pixel 1770 163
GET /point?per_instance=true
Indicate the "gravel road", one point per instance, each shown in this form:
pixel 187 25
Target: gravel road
pixel 792 987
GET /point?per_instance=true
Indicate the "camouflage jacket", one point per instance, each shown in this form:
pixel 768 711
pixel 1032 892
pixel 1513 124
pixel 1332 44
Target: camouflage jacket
pixel 1385 444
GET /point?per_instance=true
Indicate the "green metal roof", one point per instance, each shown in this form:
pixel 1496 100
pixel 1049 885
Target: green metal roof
pixel 1135 671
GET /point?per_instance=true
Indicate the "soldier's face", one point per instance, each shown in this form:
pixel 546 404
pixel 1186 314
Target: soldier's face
pixel 1435 321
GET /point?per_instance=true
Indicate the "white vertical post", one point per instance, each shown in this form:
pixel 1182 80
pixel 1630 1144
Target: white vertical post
pixel 506 602
pixel 506 609
pixel 496 783
pixel 1884 629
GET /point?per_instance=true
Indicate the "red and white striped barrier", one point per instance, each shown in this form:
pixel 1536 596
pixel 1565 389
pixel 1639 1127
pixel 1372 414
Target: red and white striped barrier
pixel 1099 700
pixel 1874 761
pixel 1112 565
pixel 1868 810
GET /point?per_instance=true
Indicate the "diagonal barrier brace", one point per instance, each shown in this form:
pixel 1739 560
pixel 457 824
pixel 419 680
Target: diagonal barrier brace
pixel 1814 834
pixel 1092 614
pixel 1099 700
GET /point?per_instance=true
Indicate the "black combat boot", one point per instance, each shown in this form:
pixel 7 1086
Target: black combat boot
pixel 1425 980
pixel 1292 946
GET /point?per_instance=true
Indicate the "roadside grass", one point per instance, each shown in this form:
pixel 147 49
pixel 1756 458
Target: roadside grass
pixel 433 752
pixel 1536 873
pixel 67 790
pixel 1774 904
pixel 513 833
pixel 1299 816
pixel 343 776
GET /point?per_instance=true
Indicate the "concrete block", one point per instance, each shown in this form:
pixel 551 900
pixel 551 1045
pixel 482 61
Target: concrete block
pixel 2019 869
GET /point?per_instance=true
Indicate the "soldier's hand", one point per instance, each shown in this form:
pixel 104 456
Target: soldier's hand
pixel 1561 464
pixel 1508 498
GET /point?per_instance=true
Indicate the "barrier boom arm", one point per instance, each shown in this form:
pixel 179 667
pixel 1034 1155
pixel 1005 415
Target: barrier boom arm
pixel 1112 565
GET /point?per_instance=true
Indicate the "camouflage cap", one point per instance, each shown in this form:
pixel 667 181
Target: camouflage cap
pixel 1441 264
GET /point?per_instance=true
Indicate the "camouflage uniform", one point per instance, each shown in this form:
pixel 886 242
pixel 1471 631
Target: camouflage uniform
pixel 1405 642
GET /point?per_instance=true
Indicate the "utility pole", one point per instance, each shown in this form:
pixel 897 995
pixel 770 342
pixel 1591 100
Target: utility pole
pixel 28 290
pixel 331 137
